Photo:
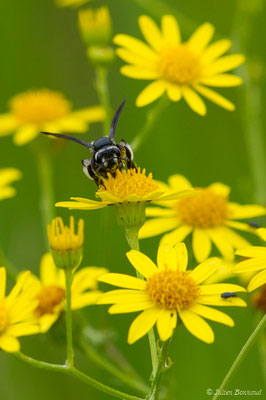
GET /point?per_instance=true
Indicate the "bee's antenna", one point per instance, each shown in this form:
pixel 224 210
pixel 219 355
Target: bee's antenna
pixel 82 142
pixel 115 119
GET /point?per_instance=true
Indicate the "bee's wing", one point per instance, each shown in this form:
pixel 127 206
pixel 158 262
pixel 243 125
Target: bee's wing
pixel 115 119
pixel 82 142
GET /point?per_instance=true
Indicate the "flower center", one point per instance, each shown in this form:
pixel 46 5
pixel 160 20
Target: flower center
pixel 172 289
pixel 49 297
pixel 178 64
pixel 206 209
pixel 3 316
pixel 128 182
pixel 39 106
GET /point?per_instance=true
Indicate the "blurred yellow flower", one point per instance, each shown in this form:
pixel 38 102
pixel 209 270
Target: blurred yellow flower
pixel 7 176
pixel 71 3
pixel 45 110
pixel 16 311
pixel 95 25
pixel 50 289
pixel 208 215
pixel 256 261
pixel 168 291
pixel 131 186
pixel 179 69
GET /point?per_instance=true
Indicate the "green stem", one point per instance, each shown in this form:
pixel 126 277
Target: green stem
pixel 239 359
pixel 103 93
pixel 133 241
pixel 94 356
pixel 153 116
pixel 162 366
pixel 70 353
pixel 70 370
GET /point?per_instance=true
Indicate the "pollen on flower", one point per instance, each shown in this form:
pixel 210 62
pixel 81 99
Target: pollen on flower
pixel 129 182
pixel 178 64
pixel 206 209
pixel 49 297
pixel 172 290
pixel 3 316
pixel 63 238
pixel 38 106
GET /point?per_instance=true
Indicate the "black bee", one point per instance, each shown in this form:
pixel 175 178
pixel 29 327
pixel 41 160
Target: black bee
pixel 228 295
pixel 107 156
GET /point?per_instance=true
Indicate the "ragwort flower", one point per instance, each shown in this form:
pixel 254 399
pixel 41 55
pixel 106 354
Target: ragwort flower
pixel 7 176
pixel 208 215
pixel 51 289
pixel 256 261
pixel 45 110
pixel 169 291
pixel 16 311
pixel 179 69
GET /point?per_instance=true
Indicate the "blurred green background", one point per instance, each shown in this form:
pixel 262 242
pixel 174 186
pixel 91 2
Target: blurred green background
pixel 40 47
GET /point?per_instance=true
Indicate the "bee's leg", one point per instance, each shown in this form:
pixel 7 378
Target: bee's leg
pixel 126 149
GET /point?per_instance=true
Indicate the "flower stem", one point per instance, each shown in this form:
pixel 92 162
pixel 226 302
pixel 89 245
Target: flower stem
pixel 239 359
pixel 162 366
pixel 103 93
pixel 70 370
pixel 133 241
pixel 94 356
pixel 70 353
pixel 153 116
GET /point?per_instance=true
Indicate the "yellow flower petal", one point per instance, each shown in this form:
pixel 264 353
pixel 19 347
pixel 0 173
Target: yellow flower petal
pixel 157 226
pixel 201 244
pixel 151 32
pixel 47 320
pixel 90 114
pixel 262 233
pixel 220 188
pixel 172 257
pixel 136 46
pixel 72 124
pixel 238 211
pixel 193 100
pixel 121 280
pixel 252 251
pixel 182 256
pixel 25 134
pixel 234 238
pixel 223 80
pixel 219 288
pixel 48 270
pixel 205 269
pixel 177 235
pixel 219 238
pixel 257 281
pixel 179 182
pixel 85 299
pixel 137 72
pixel 217 300
pixel 253 264
pixel 121 296
pixel 212 314
pixel 143 324
pixel 159 212
pixel 131 307
pixel 151 93
pixel 215 50
pixel 132 58
pixel 7 124
pixel 224 64
pixel 7 192
pixel 8 175
pixel 143 264
pixel 170 30
pixel 200 39
pixel 215 97
pixel 197 326
pixel 23 329
pixel 173 92
pixel 17 288
pixel 166 324
pixel 72 205
pixel 9 343
pixel 2 282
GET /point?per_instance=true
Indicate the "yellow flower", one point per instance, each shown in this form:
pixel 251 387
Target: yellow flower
pixel 256 262
pixel 7 176
pixel 208 215
pixel 179 69
pixel 16 311
pixel 168 291
pixel 126 187
pixel 95 25
pixel 45 110
pixel 71 3
pixel 50 291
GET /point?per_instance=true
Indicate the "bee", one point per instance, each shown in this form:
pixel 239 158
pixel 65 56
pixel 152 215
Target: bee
pixel 228 295
pixel 107 155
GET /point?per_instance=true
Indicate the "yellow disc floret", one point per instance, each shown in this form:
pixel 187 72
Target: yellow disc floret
pixel 179 65
pixel 206 209
pixel 130 182
pixel 49 297
pixel 172 290
pixel 64 238
pixel 3 316
pixel 39 106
